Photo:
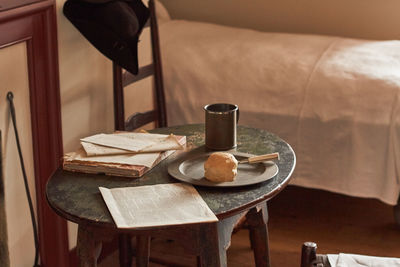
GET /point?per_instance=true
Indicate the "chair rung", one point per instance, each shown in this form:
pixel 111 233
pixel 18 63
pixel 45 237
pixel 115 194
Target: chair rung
pixel 147 24
pixel 144 72
pixel 139 119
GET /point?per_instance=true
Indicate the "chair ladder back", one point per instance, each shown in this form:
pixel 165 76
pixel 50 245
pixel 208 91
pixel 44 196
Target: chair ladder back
pixel 122 79
pixel 119 111
pixel 308 254
pixel 310 258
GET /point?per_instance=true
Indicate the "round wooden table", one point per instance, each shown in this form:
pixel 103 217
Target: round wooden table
pixel 76 197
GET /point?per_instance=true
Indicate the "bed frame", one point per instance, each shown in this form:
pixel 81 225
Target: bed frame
pixel 396 212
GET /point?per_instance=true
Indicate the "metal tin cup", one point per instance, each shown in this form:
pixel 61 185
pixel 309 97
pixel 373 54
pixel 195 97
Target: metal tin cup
pixel 221 121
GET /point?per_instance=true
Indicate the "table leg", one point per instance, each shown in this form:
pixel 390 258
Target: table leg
pixel 216 240
pixel 88 247
pixel 125 250
pixel 257 219
pixel 142 250
pixel 210 254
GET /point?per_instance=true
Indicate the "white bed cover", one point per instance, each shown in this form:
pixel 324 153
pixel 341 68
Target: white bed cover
pixel 335 100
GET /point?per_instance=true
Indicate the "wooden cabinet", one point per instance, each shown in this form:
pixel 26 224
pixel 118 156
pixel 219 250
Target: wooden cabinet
pixel 11 4
pixel 34 22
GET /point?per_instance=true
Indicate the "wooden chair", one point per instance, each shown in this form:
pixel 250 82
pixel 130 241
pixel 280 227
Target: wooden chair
pixel 310 258
pixel 122 78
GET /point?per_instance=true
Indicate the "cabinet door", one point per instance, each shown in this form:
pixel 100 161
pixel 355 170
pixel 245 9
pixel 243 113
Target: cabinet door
pixel 33 23
pixel 9 4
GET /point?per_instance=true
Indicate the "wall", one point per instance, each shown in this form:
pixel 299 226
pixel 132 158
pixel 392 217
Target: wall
pixel 14 77
pixel 370 19
pixel 86 85
pixel 86 90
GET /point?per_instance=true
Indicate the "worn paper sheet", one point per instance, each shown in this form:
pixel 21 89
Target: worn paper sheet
pixel 142 159
pixel 116 141
pixel 125 143
pixel 99 150
pixel 156 205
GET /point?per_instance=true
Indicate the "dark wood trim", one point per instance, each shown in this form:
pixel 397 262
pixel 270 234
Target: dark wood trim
pixel 4 255
pixel 140 119
pixel 158 76
pixel 121 80
pixel 144 72
pixel 26 10
pixel 36 24
pixel 11 4
pixel 73 258
pixel 396 212
pixel 119 110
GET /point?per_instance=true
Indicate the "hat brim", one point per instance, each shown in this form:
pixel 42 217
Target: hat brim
pixel 120 47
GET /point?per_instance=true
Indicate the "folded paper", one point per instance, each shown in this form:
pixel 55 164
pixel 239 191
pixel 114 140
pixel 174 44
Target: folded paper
pixel 128 143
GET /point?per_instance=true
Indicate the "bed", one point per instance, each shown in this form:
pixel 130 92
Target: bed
pixel 335 100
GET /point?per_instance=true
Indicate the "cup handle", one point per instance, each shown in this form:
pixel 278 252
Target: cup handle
pixel 237 118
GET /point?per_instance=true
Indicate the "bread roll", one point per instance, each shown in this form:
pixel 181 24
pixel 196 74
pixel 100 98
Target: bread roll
pixel 221 167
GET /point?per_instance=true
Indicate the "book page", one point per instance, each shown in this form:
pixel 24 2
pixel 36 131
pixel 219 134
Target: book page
pixel 128 143
pixel 156 205
pixel 117 141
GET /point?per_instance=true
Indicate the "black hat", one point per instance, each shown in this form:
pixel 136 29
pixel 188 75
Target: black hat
pixel 112 26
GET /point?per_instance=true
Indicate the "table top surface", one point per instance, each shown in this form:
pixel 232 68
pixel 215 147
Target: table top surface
pixel 76 197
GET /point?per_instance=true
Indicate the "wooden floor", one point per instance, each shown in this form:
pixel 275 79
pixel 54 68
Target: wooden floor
pixel 336 222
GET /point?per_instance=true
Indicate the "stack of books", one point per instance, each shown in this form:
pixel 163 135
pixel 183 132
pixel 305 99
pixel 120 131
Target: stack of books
pixel 123 153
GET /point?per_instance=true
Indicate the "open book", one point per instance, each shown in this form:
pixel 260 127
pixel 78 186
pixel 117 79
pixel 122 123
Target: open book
pixel 156 205
pixel 129 154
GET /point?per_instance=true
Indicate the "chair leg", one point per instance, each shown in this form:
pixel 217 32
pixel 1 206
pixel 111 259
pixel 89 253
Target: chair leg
pixel 198 261
pixel 89 248
pixel 308 254
pixel 215 239
pixel 257 219
pixel 125 250
pixel 142 251
pixel 212 254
